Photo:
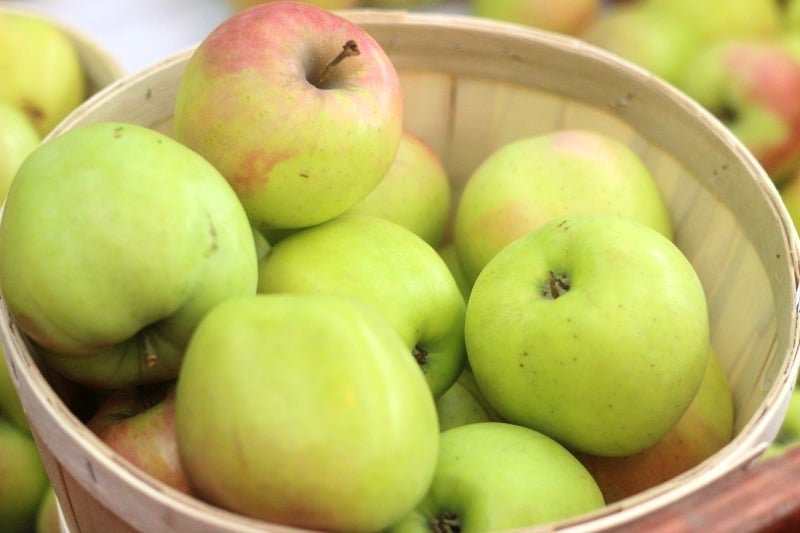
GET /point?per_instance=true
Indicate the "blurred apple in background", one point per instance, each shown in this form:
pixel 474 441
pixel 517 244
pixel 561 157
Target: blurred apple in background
pixel 18 138
pixel 752 87
pixel 656 41
pixel 325 4
pixel 48 514
pixel 705 427
pixel 23 480
pixel 139 424
pixel 791 15
pixel 299 109
pixel 10 405
pixel 414 193
pixel 463 404
pixel 41 70
pixel 715 20
pixel 527 182
pixel 789 433
pixel 565 16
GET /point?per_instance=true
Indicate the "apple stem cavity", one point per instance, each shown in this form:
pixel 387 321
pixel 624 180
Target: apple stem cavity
pixel 349 49
pixel 446 522
pixel 556 285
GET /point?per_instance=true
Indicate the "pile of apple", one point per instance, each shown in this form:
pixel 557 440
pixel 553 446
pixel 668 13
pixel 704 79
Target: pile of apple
pixel 270 312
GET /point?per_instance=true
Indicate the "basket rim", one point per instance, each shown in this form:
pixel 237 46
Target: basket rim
pixel 613 514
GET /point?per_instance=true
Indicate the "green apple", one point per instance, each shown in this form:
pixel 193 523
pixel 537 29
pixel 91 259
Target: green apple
pixel 449 255
pixel 305 410
pixel 414 193
pixel 115 241
pixel 790 194
pixel 41 70
pixel 299 108
pixel 704 429
pixel 655 41
pixel 493 476
pixel 139 424
pixel 23 480
pixel 749 85
pixel 48 514
pixel 718 20
pixel 463 404
pixel 10 405
pixel 18 138
pixel 791 15
pixel 562 16
pixel 391 268
pixel 527 182
pixel 592 329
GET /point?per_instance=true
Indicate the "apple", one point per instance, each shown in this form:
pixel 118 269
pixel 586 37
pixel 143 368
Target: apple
pixel 391 268
pixel 564 16
pixel 655 41
pixel 719 20
pixel 305 410
pixel 751 87
pixel 139 424
pixel 704 429
pixel 791 15
pixel 23 480
pixel 592 329
pixel 10 405
pixel 299 108
pixel 18 138
pixel 493 476
pixel 414 193
pixel 790 194
pixel 463 404
pixel 48 517
pixel 449 255
pixel 527 182
pixel 41 69
pixel 110 285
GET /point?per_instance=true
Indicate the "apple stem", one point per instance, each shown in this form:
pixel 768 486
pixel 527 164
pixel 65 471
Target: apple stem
pixel 349 49
pixel 420 354
pixel 556 283
pixel 150 357
pixel 446 522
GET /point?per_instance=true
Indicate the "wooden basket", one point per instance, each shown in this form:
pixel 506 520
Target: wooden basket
pixel 100 66
pixel 470 86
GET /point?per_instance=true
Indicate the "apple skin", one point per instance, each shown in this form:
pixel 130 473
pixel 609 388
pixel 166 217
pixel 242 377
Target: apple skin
pixel 464 404
pixel 129 269
pixel 791 15
pixel 414 193
pixel 493 476
pixel 449 255
pixel 23 480
pixel 48 514
pixel 41 70
pixel 139 425
pixel 391 268
pixel 719 20
pixel 10 405
pixel 305 410
pixel 655 41
pixel 18 138
pixel 527 182
pixel 296 152
pixel 565 16
pixel 607 367
pixel 704 429
pixel 751 87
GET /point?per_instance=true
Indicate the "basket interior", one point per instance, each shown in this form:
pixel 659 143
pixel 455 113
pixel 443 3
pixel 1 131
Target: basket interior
pixel 471 86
